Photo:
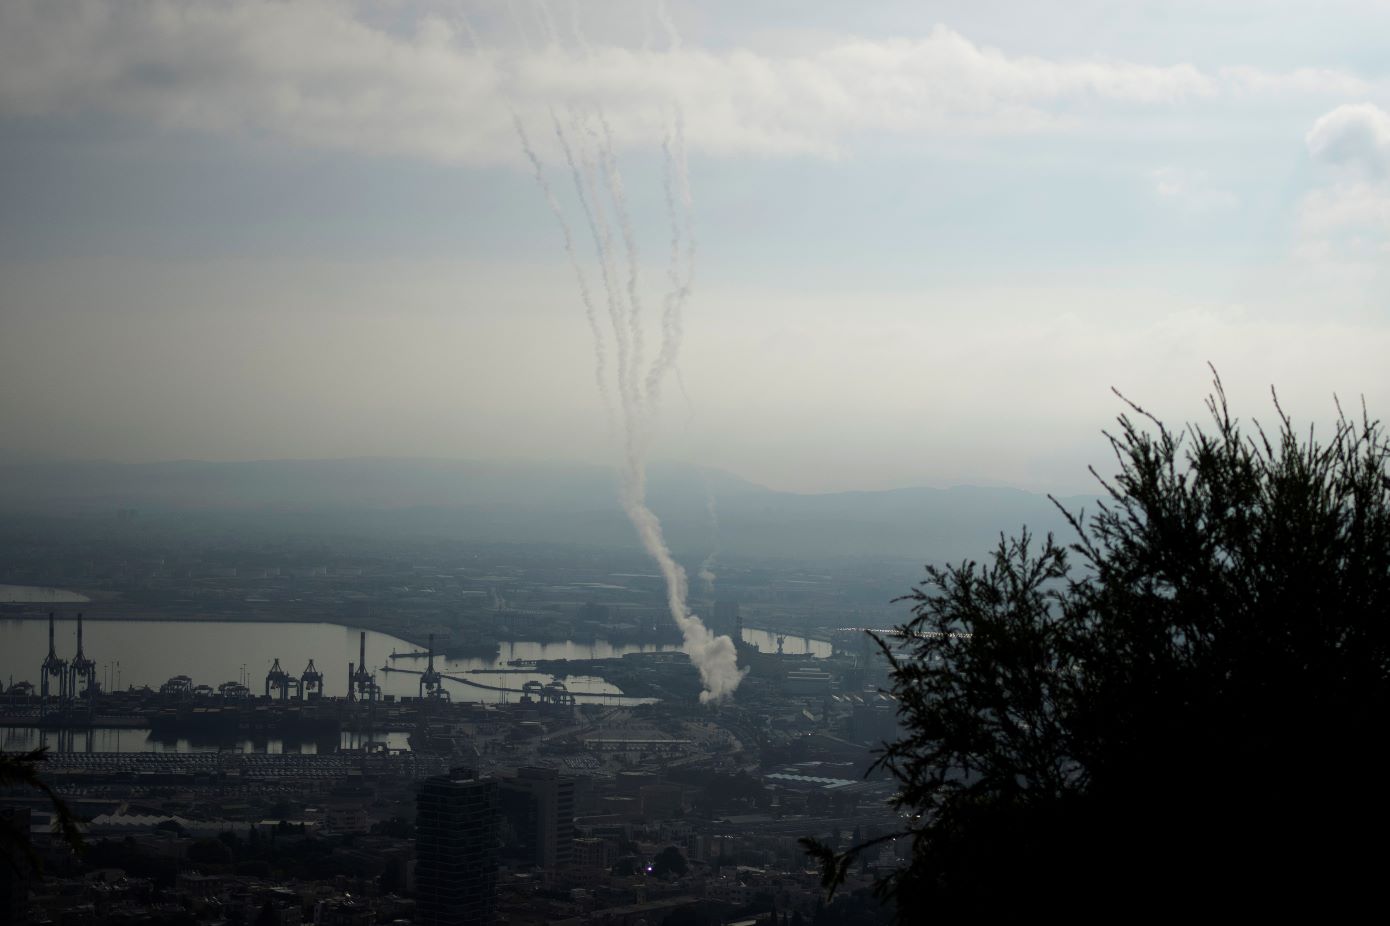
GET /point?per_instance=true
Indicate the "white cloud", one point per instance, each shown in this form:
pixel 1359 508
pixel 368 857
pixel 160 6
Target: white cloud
pixel 1346 208
pixel 1247 81
pixel 1343 226
pixel 1190 191
pixel 326 74
pixel 1355 135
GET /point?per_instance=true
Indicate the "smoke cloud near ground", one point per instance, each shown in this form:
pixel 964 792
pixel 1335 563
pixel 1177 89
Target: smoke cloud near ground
pixel 714 656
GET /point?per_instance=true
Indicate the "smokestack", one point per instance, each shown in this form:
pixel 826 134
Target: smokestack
pixel 431 665
pixel 362 652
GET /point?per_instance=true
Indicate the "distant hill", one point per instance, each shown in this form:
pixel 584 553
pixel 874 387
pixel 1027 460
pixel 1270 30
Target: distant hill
pixel 533 503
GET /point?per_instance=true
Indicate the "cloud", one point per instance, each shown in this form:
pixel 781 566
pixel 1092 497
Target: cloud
pixel 1355 135
pixel 1346 208
pixel 1343 226
pixel 1190 191
pixel 1247 81
pixel 398 82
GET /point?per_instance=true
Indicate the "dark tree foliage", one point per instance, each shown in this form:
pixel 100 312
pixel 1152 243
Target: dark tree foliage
pixel 209 852
pixel 670 863
pixel 1187 702
pixel 22 770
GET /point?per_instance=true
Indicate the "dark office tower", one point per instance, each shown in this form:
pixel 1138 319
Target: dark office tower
pixel 539 806
pixel 456 850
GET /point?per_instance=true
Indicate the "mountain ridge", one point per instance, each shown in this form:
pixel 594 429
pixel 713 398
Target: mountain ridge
pixel 702 508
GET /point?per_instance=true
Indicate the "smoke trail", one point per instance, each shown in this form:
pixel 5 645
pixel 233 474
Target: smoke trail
pixel 677 187
pixel 706 572
pixel 592 204
pixel 663 16
pixel 646 28
pixel 665 356
pixel 547 22
pixel 593 168
pixel 585 297
pixel 675 174
pixel 685 394
pixel 581 173
pixel 520 27
pixel 682 174
pixel 578 30
pixel 714 656
pixel 467 25
pixel 614 179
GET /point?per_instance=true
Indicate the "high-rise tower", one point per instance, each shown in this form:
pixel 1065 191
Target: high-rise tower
pixel 539 805
pixel 456 850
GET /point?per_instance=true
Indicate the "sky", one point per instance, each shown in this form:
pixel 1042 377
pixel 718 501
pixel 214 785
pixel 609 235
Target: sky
pixel 929 238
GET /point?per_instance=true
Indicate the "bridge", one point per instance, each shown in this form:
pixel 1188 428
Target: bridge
pixel 819 634
pixel 524 690
pixel 844 637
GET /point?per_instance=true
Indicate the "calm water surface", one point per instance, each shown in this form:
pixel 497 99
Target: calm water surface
pixel 33 594
pixel 139 652
pixel 17 739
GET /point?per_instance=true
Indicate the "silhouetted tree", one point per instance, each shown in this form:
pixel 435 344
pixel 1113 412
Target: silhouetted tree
pixel 669 863
pixel 1186 702
pixel 209 852
pixel 22 770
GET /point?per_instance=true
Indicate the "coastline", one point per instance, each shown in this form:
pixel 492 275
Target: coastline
pixel 103 611
pixel 113 611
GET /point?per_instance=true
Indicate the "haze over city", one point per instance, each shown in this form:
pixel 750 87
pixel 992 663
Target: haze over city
pixel 931 236
pixel 684 463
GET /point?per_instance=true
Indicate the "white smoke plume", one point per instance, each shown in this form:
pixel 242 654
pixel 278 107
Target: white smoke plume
pixel 585 297
pixel 588 150
pixel 663 15
pixel 591 204
pixel 547 21
pixel 614 181
pixel 578 29
pixel 677 188
pixel 706 572
pixel 714 656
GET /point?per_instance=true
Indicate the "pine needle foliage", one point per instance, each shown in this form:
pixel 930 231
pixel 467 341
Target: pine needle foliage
pixel 21 769
pixel 1187 700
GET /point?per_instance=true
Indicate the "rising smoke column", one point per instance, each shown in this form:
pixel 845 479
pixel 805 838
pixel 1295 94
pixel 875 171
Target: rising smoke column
pixel 593 167
pixel 706 571
pixel 714 656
